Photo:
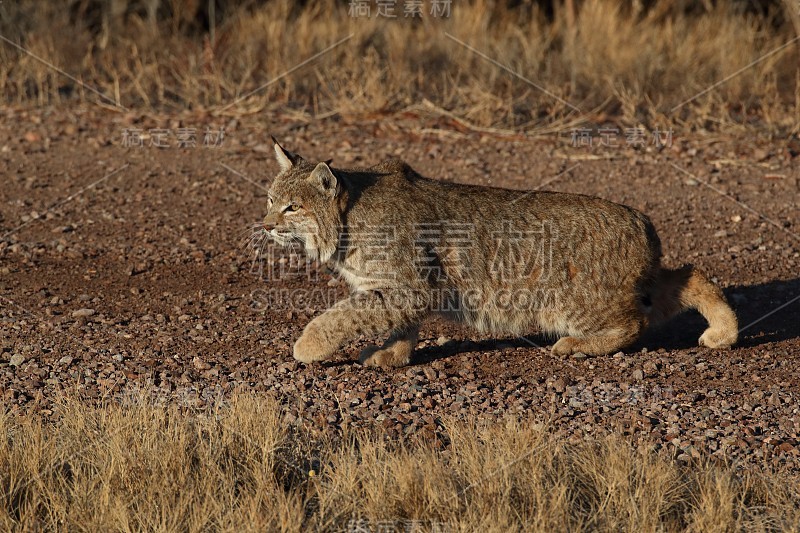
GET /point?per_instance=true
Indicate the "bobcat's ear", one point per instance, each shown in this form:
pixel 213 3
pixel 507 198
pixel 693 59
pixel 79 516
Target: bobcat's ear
pixel 286 159
pixel 322 177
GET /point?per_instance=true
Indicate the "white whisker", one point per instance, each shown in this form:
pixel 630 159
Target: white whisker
pixel 252 240
pixel 255 226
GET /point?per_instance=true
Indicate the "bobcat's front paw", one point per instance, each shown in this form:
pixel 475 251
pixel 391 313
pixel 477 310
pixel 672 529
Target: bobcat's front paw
pixel 370 356
pixel 565 346
pixel 311 346
pixel 384 357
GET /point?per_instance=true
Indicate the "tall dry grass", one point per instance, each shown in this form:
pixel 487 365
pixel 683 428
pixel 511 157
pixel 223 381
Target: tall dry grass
pixel 612 60
pixel 240 467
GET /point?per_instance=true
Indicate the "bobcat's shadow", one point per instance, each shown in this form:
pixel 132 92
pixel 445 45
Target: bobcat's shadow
pixel 432 353
pixel 762 319
pixel 764 311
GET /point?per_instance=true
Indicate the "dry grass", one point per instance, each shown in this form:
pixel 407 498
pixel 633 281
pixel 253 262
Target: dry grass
pixel 615 62
pixel 240 467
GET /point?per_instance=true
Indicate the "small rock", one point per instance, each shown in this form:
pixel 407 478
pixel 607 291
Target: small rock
pixel 650 368
pixel 739 298
pixel 441 341
pixel 638 374
pixel 786 447
pixel 66 360
pixel 199 364
pixel 82 313
pixel 17 359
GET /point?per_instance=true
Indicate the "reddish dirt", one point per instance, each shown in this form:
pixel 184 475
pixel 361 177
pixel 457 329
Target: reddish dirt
pixel 140 282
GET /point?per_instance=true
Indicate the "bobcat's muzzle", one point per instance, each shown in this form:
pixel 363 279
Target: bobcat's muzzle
pixel 270 221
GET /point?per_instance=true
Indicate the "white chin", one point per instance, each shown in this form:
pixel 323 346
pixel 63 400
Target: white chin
pixel 283 239
pixel 310 245
pixel 322 255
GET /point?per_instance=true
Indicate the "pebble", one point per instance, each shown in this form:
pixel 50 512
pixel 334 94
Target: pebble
pixel 17 360
pixel 83 313
pixel 650 368
pixel 199 364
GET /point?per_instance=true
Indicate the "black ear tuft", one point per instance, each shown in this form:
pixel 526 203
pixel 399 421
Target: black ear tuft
pixel 285 158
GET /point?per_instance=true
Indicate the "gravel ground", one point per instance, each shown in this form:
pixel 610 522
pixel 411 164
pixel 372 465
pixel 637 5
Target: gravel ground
pixel 122 269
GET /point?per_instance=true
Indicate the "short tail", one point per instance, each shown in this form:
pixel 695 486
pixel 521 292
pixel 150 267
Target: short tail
pixel 688 288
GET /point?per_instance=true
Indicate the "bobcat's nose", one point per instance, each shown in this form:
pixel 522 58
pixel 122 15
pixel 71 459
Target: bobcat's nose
pixel 269 222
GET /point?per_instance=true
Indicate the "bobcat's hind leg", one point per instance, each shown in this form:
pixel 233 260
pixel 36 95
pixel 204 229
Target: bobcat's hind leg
pixel 363 313
pixel 395 352
pixel 601 343
pixel 686 288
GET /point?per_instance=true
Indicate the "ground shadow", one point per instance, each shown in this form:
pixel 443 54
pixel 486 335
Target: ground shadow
pixel 762 318
pixel 432 353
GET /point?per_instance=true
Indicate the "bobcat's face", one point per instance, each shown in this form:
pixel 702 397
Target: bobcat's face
pixel 302 205
pixel 291 208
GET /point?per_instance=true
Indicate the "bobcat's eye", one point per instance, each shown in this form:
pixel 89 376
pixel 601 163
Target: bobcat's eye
pixel 292 207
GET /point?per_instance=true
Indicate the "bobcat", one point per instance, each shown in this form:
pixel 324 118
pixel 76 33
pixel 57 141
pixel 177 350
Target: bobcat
pixel 502 261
